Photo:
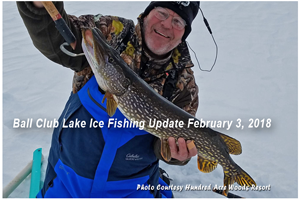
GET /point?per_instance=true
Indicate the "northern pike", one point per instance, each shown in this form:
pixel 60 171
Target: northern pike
pixel 139 102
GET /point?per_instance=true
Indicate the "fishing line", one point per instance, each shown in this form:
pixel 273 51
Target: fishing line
pixel 210 31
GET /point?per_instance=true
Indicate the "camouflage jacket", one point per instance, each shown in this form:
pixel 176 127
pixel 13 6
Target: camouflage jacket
pixel 124 36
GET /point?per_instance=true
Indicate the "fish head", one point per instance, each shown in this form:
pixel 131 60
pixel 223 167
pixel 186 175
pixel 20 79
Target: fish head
pixel 106 63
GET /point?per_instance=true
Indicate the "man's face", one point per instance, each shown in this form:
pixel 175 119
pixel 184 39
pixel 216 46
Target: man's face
pixel 160 36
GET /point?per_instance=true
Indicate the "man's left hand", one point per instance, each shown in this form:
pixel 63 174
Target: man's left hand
pixel 181 151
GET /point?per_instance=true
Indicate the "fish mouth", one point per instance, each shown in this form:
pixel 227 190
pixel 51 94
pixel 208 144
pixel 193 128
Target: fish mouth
pixel 161 34
pixel 94 50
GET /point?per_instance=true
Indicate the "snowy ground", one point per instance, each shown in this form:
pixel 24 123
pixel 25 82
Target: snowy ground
pixel 255 77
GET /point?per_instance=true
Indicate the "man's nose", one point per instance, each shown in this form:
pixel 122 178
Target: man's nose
pixel 168 22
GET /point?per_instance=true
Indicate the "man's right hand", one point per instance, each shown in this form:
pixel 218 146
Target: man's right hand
pixel 38 4
pixel 181 151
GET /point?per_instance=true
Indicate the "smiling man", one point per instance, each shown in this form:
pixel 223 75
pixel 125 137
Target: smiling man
pixel 163 30
pixel 94 162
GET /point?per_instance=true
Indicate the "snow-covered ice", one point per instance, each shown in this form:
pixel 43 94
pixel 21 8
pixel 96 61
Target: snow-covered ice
pixel 255 77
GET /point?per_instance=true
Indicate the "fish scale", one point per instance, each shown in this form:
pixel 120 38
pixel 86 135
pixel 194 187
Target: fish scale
pixel 139 102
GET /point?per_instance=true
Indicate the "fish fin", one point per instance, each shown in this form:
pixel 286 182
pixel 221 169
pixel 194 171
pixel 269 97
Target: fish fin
pixel 243 178
pixel 165 149
pixel 105 96
pixel 228 180
pixel 233 145
pixel 205 165
pixel 111 104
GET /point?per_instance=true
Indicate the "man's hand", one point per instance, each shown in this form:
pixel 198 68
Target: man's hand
pixel 181 152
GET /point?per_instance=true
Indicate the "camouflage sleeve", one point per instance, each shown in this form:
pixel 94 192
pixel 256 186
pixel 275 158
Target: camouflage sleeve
pixel 187 94
pixel 192 87
pixel 104 23
pixel 187 99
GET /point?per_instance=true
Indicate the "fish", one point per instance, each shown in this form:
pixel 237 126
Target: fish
pixel 137 101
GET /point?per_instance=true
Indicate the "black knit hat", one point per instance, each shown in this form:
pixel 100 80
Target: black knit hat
pixel 188 10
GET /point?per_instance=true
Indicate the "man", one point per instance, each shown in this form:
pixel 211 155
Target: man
pixel 108 161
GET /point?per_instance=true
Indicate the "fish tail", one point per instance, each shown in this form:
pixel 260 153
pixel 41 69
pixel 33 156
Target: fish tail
pixel 241 177
pixel 244 178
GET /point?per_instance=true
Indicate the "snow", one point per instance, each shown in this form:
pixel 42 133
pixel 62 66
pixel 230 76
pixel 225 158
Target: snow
pixel 255 77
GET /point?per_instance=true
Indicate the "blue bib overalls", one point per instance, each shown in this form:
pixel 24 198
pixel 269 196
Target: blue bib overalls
pixel 89 161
